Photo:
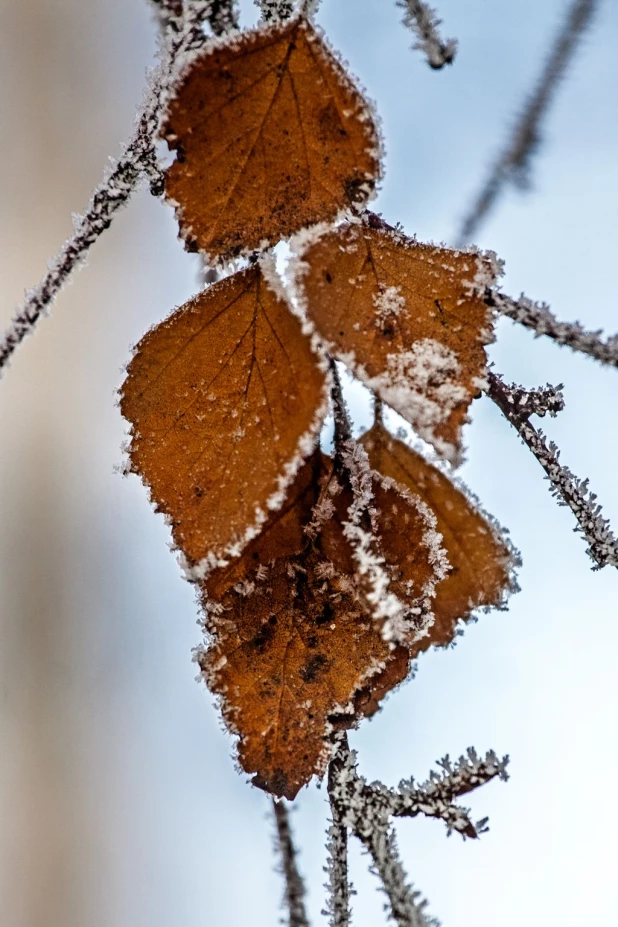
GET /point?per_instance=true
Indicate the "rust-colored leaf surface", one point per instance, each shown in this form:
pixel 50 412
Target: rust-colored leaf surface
pixel 480 559
pixel 271 136
pixel 225 398
pixel 295 649
pixel 404 317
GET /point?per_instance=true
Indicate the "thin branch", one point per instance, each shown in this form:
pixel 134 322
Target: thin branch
pixel 566 487
pixel 406 904
pixel 339 889
pixel 275 10
pixel 343 430
pixel 367 811
pixel 294 886
pixel 223 16
pixel 109 196
pixel 169 13
pixel 513 165
pixel 539 319
pixel 424 22
pixel 435 797
pixel 368 821
pixel 120 181
pixel 378 410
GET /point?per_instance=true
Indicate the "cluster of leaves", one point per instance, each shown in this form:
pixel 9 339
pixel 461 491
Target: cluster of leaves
pixel 321 576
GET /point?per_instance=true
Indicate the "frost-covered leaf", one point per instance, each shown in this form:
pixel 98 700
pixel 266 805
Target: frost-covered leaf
pixel 407 318
pixel 481 560
pixel 271 136
pixel 295 647
pixel 283 534
pixel 288 659
pixel 225 398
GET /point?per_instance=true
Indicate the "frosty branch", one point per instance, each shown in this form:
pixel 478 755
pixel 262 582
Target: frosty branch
pixel 181 27
pixel 294 885
pixel 539 318
pixel 513 164
pixel 423 21
pixel 366 810
pixel 517 404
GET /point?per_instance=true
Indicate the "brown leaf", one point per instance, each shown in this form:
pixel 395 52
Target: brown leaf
pixel 295 649
pixel 367 701
pixel 271 136
pixel 286 658
pixel 403 317
pixel 225 398
pixel 283 535
pixel 480 559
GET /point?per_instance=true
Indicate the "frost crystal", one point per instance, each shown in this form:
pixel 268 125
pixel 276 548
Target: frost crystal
pixel 422 384
pixel 389 301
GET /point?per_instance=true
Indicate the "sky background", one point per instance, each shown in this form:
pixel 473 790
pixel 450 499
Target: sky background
pixel 120 802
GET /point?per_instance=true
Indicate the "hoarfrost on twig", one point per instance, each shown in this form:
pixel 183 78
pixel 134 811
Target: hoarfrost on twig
pixel 367 809
pixel 294 886
pixel 338 885
pixel 435 797
pixel 513 164
pixel 569 489
pixel 539 319
pixel 119 182
pixel 275 10
pixel 424 22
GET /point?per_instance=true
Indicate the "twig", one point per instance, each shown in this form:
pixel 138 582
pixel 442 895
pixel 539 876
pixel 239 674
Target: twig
pixel 435 797
pixel 368 821
pixel 121 180
pixel 569 489
pixel 423 21
pixel 107 199
pixel 539 319
pixel 294 885
pixel 407 905
pixel 378 410
pixel 169 13
pixel 275 10
pixel 513 165
pixel 343 431
pixel 222 16
pixel 338 885
pixel 367 811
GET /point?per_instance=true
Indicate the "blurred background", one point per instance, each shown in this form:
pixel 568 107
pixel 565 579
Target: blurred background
pixel 119 799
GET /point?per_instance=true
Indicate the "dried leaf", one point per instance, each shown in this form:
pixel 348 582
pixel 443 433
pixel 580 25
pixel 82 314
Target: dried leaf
pixel 405 318
pixel 283 535
pixel 288 657
pixel 368 700
pixel 480 559
pixel 225 398
pixel 271 136
pixel 295 649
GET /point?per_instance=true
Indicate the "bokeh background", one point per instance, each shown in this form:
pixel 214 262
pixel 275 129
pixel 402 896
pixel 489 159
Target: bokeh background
pixel 120 803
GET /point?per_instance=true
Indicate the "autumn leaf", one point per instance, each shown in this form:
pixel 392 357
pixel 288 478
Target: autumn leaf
pixel 288 656
pixel 225 399
pixel 271 136
pixel 283 535
pixel 404 317
pixel 481 561
pixel 295 649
